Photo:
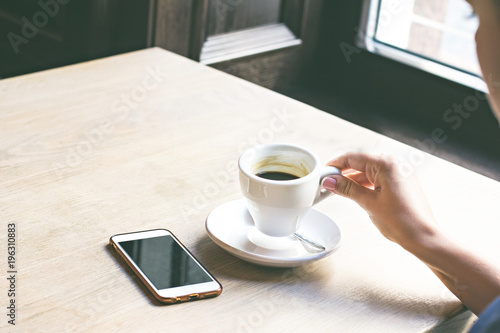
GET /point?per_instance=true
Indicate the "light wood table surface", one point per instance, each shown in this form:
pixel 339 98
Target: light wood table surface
pixel 150 140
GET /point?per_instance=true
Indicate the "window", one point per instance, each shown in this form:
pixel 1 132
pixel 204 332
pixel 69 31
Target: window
pixel 436 36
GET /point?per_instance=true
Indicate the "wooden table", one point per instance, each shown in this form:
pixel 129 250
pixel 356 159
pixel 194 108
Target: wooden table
pixel 150 140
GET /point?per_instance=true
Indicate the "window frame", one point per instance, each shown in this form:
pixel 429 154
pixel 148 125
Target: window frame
pixel 366 40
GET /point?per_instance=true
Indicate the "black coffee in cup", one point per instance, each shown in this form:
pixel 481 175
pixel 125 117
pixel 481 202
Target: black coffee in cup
pixel 276 175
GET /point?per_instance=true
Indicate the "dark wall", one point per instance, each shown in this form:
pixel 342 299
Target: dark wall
pixel 35 37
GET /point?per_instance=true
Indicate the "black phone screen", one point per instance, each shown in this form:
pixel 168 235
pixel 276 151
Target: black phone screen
pixel 165 262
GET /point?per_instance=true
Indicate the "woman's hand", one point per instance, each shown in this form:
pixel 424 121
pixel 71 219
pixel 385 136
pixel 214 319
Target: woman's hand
pixel 388 189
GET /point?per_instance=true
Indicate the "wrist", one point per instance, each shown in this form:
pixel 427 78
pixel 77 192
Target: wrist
pixel 427 243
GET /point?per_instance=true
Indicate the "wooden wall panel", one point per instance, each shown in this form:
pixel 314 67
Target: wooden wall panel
pixel 173 20
pixel 229 16
pixel 281 68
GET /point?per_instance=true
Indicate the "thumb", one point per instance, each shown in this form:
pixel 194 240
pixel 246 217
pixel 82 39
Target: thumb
pixel 347 188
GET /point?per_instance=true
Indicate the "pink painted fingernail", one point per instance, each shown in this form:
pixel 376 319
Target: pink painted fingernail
pixel 329 183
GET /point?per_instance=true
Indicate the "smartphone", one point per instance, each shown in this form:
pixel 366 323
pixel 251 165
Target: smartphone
pixel 165 266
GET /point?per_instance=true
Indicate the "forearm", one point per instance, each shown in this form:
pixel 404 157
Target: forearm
pixel 474 280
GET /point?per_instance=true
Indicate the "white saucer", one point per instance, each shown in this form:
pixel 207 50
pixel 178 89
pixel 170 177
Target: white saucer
pixel 231 227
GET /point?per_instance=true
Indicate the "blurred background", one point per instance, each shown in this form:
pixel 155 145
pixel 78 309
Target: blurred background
pixel 403 68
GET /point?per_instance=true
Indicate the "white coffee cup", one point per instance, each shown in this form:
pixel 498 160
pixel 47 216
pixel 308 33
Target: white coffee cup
pixel 277 206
